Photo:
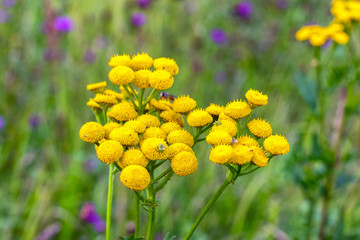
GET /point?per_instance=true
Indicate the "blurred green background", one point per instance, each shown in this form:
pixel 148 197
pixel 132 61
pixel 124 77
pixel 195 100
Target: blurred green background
pixel 48 173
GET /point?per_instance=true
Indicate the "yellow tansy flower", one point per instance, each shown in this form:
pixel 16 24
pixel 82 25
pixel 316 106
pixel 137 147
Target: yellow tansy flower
pixel 118 96
pixel 215 109
pixel 218 137
pixel 221 154
pixel 161 80
pixel 121 75
pixel 260 128
pixel 95 107
pixel 154 132
pixel 135 177
pixel 149 120
pixel 125 136
pixel 166 64
pixel 136 126
pixel 109 127
pixel 109 151
pixel 276 145
pixel 123 111
pixel 141 61
pixel 155 149
pixel 237 109
pixel 105 101
pixel 184 163
pixel 133 157
pixel 183 104
pixel 259 157
pixel 180 136
pixel 120 60
pixel 199 118
pixel 247 141
pixel 92 132
pixel 169 127
pixel 171 116
pixel 159 104
pixel 176 148
pixel 227 126
pixel 141 79
pixel 243 154
pixel 256 98
pixel 96 87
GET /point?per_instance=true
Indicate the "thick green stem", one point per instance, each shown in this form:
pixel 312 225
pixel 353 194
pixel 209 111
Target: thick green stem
pixel 165 180
pixel 109 202
pixel 206 208
pixel 137 216
pixel 151 217
pixel 130 97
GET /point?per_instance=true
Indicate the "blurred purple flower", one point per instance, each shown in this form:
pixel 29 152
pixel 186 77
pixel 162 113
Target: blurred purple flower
pixel 34 121
pixel 8 3
pixel 138 19
pixel 90 164
pixel 2 122
pixel 218 36
pixel 327 44
pixel 89 56
pixel 244 9
pixel 220 77
pixel 282 4
pixel 49 232
pixel 89 215
pixel 130 227
pixel 4 16
pixel 144 3
pixel 63 24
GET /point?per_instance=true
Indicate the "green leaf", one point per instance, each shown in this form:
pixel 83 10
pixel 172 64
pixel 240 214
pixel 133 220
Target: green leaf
pixel 307 88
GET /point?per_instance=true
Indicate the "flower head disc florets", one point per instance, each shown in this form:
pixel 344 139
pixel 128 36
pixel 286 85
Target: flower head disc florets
pixel 276 145
pixel 183 104
pixel 256 98
pixel 96 87
pixel 92 132
pixel 237 109
pixel 135 177
pixel 184 163
pixel 166 64
pixel 120 60
pixel 161 80
pixel 260 128
pixel 121 75
pixel 141 61
pixel 199 118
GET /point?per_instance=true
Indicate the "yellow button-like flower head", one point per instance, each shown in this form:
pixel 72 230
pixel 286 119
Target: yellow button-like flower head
pixel 121 75
pixel 154 132
pixel 155 149
pixel 166 64
pixel 141 61
pixel 92 132
pixel 135 177
pixel 227 126
pixel 183 104
pixel 136 126
pixel 170 126
pixel 256 98
pixel 171 116
pixel 159 105
pixel 199 118
pixel 176 148
pixel 149 120
pixel 340 37
pixel 184 163
pixel 125 136
pixel 105 101
pixel 109 151
pixel 123 111
pixel 120 60
pixel 118 96
pixel 96 87
pixel 260 128
pixel 247 141
pixel 180 136
pixel 133 157
pixel 243 154
pixel 259 157
pixel 276 145
pixel 221 154
pixel 141 79
pixel 215 109
pixel 218 137
pixel 109 127
pixel 237 109
pixel 161 80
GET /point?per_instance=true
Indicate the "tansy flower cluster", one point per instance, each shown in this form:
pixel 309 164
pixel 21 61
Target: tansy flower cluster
pixel 344 12
pixel 137 131
pixel 228 136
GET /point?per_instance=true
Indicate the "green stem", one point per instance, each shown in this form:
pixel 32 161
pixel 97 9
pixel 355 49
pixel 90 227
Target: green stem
pixel 206 209
pixel 159 164
pixel 137 216
pixel 310 219
pixel 130 97
pixel 238 125
pixel 151 96
pixel 162 174
pixel 134 92
pixel 166 179
pixel 245 124
pixel 141 197
pixel 109 202
pixel 98 117
pixel 250 171
pixel 141 106
pixel 151 217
